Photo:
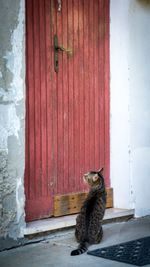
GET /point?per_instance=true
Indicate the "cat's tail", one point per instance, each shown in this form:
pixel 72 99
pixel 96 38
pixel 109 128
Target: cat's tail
pixel 80 250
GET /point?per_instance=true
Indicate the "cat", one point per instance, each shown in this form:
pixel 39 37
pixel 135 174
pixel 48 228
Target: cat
pixel 88 229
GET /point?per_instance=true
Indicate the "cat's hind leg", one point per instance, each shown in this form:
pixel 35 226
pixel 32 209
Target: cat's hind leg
pixel 99 236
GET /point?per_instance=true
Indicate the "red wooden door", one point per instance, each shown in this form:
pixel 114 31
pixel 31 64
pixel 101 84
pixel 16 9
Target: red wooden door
pixel 67 112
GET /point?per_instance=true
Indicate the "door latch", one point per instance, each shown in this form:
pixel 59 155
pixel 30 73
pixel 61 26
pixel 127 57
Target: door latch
pixel 58 48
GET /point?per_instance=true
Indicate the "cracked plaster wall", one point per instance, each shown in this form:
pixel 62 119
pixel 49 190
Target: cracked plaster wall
pixel 12 115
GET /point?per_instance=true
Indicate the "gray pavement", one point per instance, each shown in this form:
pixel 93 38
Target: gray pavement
pixel 55 251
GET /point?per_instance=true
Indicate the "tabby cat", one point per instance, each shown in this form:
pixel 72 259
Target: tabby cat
pixel 89 221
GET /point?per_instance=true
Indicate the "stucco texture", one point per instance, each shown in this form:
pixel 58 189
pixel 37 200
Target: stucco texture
pixel 12 115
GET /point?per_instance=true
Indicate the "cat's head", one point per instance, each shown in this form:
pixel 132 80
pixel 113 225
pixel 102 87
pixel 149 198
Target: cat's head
pixel 94 178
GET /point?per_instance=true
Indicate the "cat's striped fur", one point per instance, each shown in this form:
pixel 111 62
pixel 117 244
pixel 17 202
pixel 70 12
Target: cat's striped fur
pixel 89 221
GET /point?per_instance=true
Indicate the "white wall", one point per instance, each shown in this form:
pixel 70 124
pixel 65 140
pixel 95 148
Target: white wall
pixel 130 104
pixel 140 103
pixel 119 94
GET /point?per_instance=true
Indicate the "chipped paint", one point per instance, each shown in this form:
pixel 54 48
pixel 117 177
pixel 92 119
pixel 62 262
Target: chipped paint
pixel 9 124
pixel 19 199
pixel 12 116
pixel 14 62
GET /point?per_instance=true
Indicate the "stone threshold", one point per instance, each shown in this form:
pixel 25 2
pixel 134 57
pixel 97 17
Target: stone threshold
pixel 52 224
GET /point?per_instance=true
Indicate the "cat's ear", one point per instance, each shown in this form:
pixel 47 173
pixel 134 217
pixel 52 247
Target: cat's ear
pixel 86 174
pixel 100 170
pixel 95 178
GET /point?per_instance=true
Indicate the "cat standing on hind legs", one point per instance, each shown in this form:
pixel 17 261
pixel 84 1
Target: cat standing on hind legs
pixel 88 229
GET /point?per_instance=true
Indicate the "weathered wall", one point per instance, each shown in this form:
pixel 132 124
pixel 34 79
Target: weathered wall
pixel 12 114
pixel 130 108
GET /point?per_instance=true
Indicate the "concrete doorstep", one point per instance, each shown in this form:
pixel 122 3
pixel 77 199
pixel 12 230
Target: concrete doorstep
pixel 41 230
pixel 51 224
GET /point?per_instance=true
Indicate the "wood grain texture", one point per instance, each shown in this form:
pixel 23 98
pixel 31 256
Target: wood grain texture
pixel 71 203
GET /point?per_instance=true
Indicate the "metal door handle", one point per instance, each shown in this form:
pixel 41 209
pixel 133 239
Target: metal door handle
pixel 58 48
pixel 67 50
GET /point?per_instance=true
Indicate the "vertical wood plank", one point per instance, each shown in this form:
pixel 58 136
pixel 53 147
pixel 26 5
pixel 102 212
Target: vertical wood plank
pixel 71 178
pixel 54 101
pixel 60 176
pixel 76 89
pixel 101 80
pixel 37 111
pixel 107 96
pixel 49 86
pixel 86 86
pixel 65 96
pixel 92 93
pixel 29 168
pixel 31 104
pixel 81 93
pixel 43 100
pixel 96 86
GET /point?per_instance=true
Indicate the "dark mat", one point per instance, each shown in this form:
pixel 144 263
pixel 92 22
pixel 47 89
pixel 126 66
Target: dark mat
pixel 136 252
